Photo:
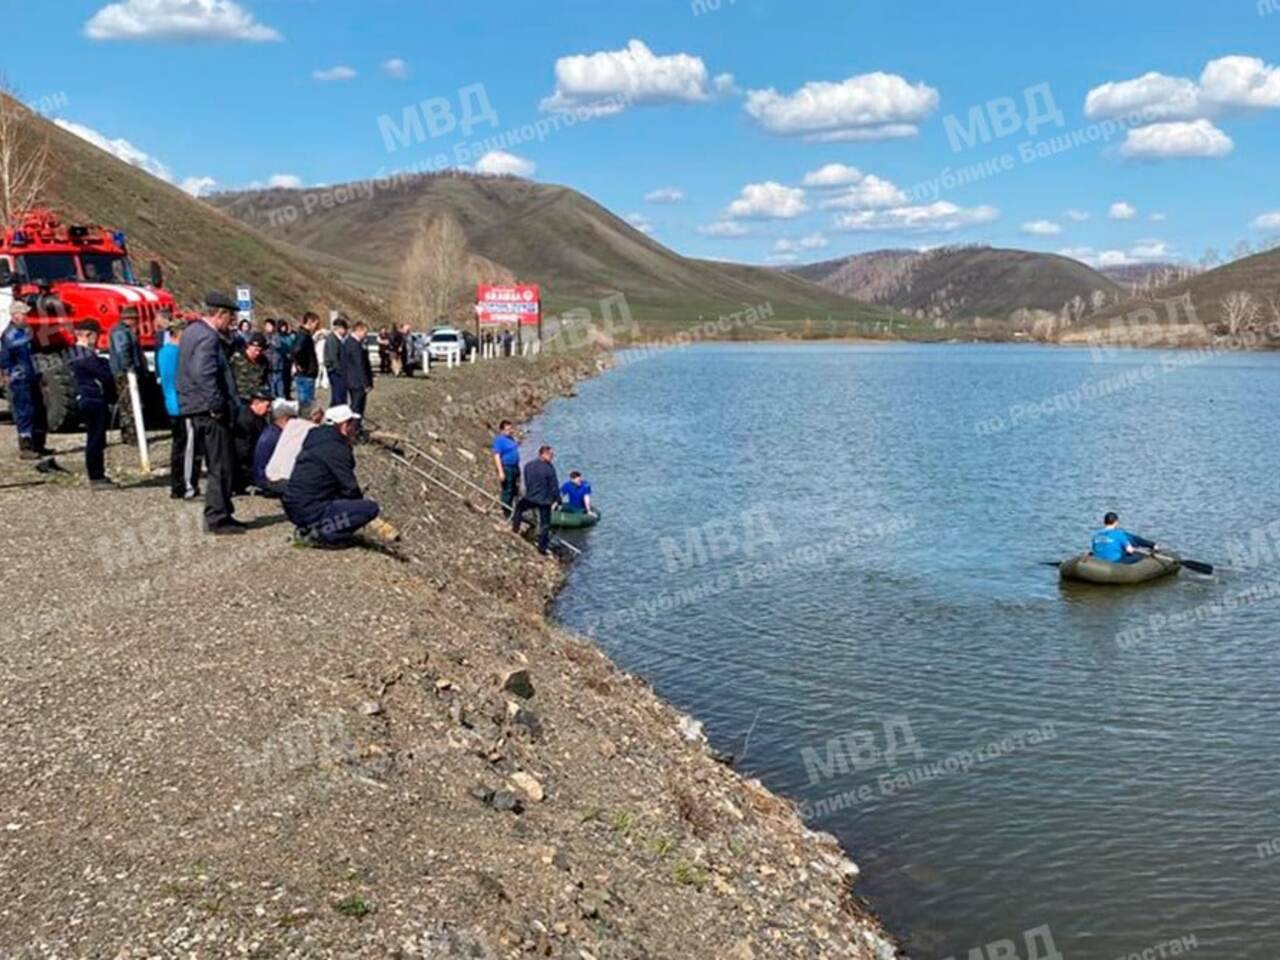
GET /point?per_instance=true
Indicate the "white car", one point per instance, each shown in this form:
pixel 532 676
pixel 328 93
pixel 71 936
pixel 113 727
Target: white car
pixel 444 342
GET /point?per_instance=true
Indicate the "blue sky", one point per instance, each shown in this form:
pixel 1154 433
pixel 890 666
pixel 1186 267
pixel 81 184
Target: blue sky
pixel 730 103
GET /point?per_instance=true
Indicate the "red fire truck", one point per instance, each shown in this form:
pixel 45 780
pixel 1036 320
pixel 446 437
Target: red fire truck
pixel 67 273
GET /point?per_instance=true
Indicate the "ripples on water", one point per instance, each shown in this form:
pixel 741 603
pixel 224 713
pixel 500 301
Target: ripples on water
pixel 1139 820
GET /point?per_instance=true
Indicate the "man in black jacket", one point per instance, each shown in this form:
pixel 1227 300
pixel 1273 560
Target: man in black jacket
pixel 541 490
pixel 95 392
pixel 204 398
pixel 323 498
pixel 247 424
pixel 357 371
pixel 306 366
pixel 333 362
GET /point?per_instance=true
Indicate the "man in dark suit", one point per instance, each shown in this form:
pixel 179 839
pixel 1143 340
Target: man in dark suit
pixel 357 371
pixel 541 490
pixel 333 352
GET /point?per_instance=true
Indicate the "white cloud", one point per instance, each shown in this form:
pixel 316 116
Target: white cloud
pixel 871 193
pixel 1122 211
pixel 1158 218
pixel 1077 216
pixel 1154 95
pixel 395 67
pixel 284 181
pixel 724 228
pixel 724 85
pixel 199 186
pixel 940 217
pixel 832 175
pixel 177 20
pixel 340 72
pixel 609 81
pixel 1266 221
pixel 1170 117
pixel 870 106
pixel 119 148
pixel 1151 251
pixel 768 201
pixel 1042 228
pixel 1239 81
pixel 665 195
pixel 1196 138
pixel 640 222
pixel 785 245
pixel 500 162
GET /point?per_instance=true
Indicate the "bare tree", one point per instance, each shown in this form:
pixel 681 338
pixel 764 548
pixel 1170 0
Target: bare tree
pixel 1240 310
pixel 24 163
pixel 435 276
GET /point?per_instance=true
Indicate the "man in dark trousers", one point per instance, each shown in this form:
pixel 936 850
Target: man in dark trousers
pixel 247 424
pixel 204 397
pixel 333 361
pixel 357 371
pixel 95 392
pixel 323 498
pixel 124 351
pixel 306 366
pixel 22 381
pixel 541 490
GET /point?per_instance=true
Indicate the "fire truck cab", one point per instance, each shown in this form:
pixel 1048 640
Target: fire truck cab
pixel 67 273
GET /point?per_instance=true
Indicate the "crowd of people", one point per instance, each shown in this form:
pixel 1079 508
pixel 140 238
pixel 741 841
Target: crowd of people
pixel 243 416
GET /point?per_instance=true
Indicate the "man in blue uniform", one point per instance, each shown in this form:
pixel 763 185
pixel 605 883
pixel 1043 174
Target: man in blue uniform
pixel 575 494
pixel 1118 546
pixel 22 382
pixel 541 490
pixel 95 392
pixel 506 458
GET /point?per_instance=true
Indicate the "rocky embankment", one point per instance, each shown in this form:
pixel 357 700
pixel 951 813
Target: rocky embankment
pixel 233 747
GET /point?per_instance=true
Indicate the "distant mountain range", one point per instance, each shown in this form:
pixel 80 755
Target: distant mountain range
pixel 963 283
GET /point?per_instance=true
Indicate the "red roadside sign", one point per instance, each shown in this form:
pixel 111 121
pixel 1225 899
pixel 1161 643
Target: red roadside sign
pixel 515 303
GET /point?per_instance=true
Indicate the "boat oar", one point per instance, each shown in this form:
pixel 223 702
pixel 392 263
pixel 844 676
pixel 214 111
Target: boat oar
pixel 1194 565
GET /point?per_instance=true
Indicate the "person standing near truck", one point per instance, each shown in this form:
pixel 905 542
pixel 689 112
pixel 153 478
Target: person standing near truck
pixel 95 392
pixel 184 459
pixel 125 353
pixel 22 381
pixel 204 397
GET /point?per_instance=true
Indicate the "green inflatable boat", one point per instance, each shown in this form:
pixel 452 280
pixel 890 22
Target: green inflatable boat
pixel 1090 569
pixel 571 521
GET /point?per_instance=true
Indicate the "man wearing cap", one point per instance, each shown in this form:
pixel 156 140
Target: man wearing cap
pixel 333 362
pixel 204 397
pixel 22 381
pixel 125 355
pixel 184 458
pixel 282 411
pixel 249 369
pixel 95 392
pixel 247 424
pixel 323 497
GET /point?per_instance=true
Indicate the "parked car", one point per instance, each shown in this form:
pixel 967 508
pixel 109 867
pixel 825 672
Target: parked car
pixel 444 341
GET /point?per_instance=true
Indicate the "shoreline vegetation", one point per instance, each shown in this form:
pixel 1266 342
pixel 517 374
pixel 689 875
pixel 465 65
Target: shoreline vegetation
pixel 248 749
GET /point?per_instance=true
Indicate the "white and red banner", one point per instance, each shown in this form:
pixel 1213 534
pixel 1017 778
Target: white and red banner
pixel 517 303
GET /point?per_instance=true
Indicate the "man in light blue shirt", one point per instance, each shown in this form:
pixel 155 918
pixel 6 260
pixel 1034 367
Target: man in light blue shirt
pixel 1118 546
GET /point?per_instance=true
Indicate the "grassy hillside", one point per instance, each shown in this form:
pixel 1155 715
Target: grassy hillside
pixel 961 283
pixel 575 248
pixel 1200 307
pixel 199 247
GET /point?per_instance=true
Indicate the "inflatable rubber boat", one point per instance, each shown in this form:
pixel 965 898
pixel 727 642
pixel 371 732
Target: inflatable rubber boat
pixel 569 521
pixel 1090 569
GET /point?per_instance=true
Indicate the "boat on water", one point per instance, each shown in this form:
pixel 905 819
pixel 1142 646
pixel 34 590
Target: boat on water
pixel 568 521
pixel 1089 569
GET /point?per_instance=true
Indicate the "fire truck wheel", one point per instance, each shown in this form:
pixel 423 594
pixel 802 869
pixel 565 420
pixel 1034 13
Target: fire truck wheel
pixel 59 388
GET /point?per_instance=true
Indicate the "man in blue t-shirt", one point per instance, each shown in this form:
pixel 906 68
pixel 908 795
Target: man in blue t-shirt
pixel 575 494
pixel 506 459
pixel 1118 546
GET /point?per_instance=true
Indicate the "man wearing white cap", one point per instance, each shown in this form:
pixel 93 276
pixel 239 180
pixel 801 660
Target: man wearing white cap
pixel 323 497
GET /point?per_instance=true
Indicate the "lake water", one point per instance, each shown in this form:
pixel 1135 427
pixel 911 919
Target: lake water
pixel 867 623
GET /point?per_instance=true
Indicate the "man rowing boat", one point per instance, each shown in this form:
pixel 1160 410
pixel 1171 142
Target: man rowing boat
pixel 1118 546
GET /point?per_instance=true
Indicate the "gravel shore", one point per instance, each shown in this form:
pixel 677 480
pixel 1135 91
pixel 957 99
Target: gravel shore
pixel 233 747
